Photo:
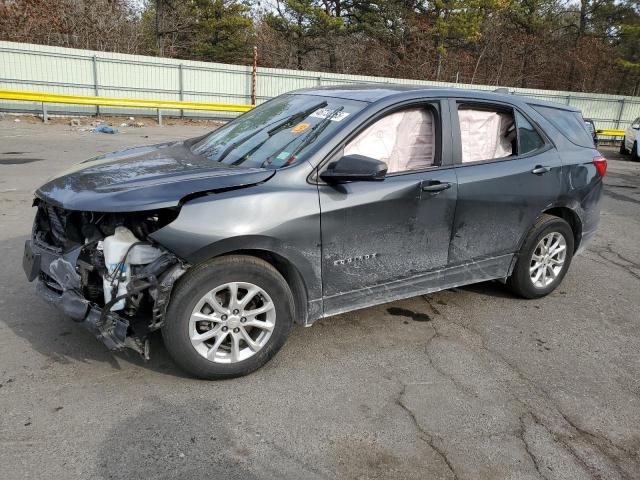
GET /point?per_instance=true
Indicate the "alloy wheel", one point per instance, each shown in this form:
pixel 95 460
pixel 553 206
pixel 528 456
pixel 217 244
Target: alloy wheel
pixel 548 259
pixel 232 322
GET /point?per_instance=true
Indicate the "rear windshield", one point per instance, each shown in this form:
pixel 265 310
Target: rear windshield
pixel 571 124
pixel 279 132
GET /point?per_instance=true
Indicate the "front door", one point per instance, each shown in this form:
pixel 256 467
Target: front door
pixel 380 239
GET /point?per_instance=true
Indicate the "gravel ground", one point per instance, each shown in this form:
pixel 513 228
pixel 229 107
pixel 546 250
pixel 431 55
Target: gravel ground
pixel 468 383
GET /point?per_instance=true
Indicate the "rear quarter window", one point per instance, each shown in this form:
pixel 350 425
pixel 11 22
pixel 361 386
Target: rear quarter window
pixel 570 123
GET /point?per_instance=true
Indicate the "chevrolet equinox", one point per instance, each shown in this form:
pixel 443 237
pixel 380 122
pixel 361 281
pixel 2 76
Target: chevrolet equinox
pixel 315 203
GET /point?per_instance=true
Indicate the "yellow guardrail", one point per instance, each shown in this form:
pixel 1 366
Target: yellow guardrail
pixel 119 102
pixel 609 132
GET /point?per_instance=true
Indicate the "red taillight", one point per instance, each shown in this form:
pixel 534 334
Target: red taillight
pixel 601 165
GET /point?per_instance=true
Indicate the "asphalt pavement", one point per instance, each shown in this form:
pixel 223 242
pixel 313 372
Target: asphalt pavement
pixel 469 383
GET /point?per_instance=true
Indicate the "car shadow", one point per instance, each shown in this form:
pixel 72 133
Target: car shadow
pixel 491 288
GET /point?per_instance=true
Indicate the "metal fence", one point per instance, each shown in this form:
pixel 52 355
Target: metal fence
pixel 83 72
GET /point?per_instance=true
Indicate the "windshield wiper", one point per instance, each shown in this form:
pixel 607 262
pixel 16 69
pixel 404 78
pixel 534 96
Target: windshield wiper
pixel 275 129
pixel 313 134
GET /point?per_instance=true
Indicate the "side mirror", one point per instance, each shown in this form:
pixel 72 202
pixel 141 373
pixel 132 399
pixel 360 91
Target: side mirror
pixel 354 168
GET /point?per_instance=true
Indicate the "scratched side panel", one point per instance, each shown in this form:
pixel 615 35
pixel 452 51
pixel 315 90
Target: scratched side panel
pixel 434 281
pixel 280 216
pixel 377 232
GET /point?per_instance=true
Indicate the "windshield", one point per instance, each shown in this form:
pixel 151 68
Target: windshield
pixel 277 133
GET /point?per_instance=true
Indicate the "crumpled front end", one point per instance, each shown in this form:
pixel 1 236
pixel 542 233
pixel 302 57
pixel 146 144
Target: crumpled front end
pixel 119 294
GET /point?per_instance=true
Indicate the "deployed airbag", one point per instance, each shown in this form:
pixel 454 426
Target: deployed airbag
pixel 485 134
pixel 403 140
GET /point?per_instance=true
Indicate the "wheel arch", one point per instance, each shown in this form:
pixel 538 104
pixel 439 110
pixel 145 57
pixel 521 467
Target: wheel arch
pixel 292 276
pixel 572 218
pixel 299 273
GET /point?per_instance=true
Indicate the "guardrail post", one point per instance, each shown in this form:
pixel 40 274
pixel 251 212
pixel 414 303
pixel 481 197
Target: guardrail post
pixel 95 81
pixel 568 99
pixel 181 84
pixel 159 117
pixel 254 76
pixel 45 116
pixel 620 113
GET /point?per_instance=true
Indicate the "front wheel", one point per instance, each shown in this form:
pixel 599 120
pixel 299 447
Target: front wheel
pixel 228 317
pixel 634 152
pixel 544 258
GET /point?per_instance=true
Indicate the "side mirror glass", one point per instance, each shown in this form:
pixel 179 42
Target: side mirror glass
pixel 352 168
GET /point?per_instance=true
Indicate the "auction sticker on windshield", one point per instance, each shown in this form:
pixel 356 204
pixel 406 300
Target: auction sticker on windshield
pixel 332 114
pixel 301 127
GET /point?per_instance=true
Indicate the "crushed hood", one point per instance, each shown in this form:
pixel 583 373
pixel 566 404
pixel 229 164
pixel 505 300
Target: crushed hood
pixel 144 178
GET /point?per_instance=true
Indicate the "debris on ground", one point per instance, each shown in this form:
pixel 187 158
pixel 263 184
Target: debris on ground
pixel 75 122
pixel 112 120
pixel 104 129
pixel 132 123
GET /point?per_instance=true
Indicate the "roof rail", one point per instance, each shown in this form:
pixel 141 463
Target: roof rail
pixel 504 90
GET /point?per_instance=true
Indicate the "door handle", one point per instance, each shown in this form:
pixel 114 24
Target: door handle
pixel 435 187
pixel 540 169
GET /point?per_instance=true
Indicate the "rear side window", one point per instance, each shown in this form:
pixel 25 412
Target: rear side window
pixel 570 124
pixel 486 133
pixel 529 139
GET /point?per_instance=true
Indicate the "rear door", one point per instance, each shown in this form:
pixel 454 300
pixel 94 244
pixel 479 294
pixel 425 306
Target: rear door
pixel 379 235
pixel 501 190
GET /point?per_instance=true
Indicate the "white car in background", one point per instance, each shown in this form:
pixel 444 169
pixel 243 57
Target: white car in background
pixel 630 141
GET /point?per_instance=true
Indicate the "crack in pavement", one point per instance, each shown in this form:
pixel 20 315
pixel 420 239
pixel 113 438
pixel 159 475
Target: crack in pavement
pixel 626 266
pixel 606 448
pixel 620 197
pixel 437 334
pixel 423 434
pixel 567 447
pixel 591 439
pixel 527 448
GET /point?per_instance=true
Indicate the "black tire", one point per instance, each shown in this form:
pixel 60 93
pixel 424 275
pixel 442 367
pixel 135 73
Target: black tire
pixel 634 152
pixel 623 149
pixel 206 277
pixel 520 281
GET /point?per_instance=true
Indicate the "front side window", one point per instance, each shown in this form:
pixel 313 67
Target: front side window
pixel 277 133
pixel 529 139
pixel 485 133
pixel 404 140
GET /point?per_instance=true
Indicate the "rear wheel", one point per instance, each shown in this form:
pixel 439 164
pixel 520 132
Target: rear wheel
pixel 623 148
pixel 544 258
pixel 634 152
pixel 228 317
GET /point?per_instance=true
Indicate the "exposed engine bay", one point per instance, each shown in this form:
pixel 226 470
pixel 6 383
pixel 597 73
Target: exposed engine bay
pixel 103 270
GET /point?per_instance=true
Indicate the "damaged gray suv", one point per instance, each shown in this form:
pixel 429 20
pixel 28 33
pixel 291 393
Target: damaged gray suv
pixel 315 203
